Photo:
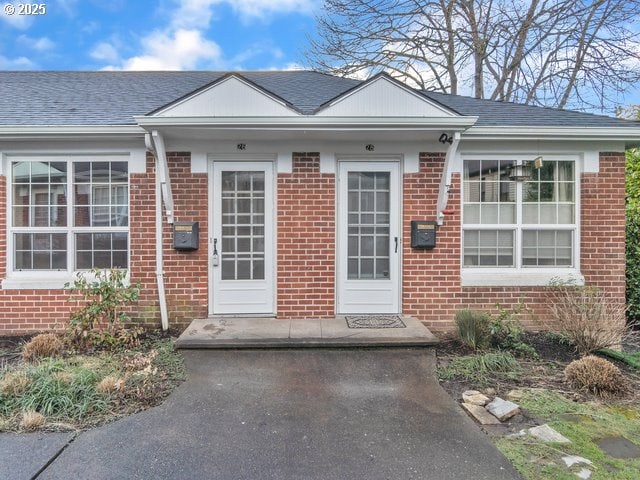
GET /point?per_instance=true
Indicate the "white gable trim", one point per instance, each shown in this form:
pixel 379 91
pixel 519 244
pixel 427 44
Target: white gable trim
pixel 383 96
pixel 230 96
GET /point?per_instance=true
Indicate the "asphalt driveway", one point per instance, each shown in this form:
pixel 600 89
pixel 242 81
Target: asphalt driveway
pixel 293 414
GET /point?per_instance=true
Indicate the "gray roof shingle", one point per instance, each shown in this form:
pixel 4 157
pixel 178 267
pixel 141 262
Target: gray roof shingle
pixel 114 98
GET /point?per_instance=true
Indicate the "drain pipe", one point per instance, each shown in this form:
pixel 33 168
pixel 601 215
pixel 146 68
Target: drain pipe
pixel 162 300
pixel 445 180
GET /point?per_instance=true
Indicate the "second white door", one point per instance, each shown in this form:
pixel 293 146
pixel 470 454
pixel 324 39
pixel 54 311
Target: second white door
pixel 368 238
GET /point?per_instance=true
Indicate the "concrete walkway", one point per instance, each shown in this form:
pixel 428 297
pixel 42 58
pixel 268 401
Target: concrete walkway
pixel 313 414
pixel 272 333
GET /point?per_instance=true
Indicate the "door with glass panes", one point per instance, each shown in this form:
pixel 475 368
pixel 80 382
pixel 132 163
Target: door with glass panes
pixel 368 238
pixel 241 245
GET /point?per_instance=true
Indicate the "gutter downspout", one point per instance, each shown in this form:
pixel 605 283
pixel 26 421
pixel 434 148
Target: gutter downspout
pixel 162 300
pixel 445 180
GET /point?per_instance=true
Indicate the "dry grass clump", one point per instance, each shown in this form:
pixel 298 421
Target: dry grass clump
pixel 43 345
pixel 14 383
pixel 109 384
pixel 31 420
pixel 595 375
pixel 588 316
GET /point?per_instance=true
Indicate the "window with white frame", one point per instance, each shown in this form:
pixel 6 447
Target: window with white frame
pixel 69 214
pixel 519 225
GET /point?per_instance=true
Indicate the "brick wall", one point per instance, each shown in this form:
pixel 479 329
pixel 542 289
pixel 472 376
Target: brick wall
pixel 431 285
pixel 306 249
pixel 306 240
pixel 186 280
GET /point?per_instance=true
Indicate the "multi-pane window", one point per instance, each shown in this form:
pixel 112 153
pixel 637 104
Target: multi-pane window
pixel 368 225
pixel 243 224
pixel 69 215
pixel 507 223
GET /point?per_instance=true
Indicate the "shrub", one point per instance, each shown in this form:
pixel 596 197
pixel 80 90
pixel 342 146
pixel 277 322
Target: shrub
pixel 102 319
pixel 507 332
pixel 43 345
pixel 595 375
pixel 588 317
pixel 473 328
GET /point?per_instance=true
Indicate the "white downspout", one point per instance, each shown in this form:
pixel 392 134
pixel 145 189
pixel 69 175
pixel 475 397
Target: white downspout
pixel 445 180
pixel 162 300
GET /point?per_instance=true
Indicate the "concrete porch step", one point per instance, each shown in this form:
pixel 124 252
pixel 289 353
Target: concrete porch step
pixel 228 332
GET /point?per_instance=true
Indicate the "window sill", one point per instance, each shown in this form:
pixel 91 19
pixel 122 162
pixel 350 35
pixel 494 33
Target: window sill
pixel 45 280
pixel 504 277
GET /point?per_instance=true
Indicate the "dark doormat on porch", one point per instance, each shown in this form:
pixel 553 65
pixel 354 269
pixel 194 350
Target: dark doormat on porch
pixel 374 321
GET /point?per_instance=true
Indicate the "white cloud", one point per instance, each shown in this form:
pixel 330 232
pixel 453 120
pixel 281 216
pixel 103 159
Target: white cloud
pixel 182 44
pixel 105 51
pixel 184 49
pixel 41 44
pixel 21 22
pixel 261 8
pixel 198 13
pixel 19 63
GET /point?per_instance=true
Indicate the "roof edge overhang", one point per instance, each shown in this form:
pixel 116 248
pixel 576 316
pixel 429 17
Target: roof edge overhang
pixel 57 132
pixel 311 123
pixel 629 135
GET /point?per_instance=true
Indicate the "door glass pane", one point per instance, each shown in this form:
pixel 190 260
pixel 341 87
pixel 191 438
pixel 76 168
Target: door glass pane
pixel 368 225
pixel 243 217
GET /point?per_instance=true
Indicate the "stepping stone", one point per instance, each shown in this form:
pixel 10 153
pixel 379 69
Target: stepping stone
pixel 584 474
pixel 474 397
pixel 515 395
pixel 619 447
pixel 480 414
pixel 570 460
pixel 547 434
pixel 502 409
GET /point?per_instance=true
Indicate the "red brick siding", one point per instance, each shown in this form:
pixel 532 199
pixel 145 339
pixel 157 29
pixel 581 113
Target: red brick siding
pixel 186 280
pixel 431 284
pixel 185 272
pixel 306 249
pixel 306 240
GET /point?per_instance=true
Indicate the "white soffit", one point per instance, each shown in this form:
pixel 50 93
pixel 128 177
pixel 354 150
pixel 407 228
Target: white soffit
pixel 383 97
pixel 229 97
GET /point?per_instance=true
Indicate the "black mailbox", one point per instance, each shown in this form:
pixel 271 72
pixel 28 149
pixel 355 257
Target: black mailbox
pixel 185 235
pixel 423 234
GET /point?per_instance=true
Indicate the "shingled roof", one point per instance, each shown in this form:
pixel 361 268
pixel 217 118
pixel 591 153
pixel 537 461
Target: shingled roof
pixel 114 98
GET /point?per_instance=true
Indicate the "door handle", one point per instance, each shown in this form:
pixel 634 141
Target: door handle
pixel 396 240
pixel 214 257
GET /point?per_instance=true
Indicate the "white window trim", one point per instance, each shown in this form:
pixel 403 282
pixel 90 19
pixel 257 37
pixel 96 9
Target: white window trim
pixel 55 279
pixel 518 275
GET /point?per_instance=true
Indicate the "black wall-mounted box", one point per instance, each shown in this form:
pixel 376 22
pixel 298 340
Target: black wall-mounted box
pixel 423 234
pixel 185 235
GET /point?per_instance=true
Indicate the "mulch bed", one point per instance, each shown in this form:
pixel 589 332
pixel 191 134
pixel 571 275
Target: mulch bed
pixel 545 372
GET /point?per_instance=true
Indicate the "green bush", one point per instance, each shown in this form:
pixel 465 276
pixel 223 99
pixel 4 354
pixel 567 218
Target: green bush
pixel 507 333
pixel 102 318
pixel 633 233
pixel 473 328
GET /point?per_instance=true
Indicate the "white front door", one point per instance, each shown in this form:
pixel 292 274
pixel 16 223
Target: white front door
pixel 241 246
pixel 369 238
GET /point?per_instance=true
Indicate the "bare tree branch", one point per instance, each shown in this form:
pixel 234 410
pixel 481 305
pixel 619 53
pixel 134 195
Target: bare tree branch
pixel 562 53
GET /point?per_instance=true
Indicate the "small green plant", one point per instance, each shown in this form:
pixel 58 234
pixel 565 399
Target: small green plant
pixel 103 316
pixel 507 332
pixel 631 359
pixel 473 328
pixel 477 368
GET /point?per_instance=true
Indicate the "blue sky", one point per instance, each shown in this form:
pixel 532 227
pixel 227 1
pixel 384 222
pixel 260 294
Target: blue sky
pixel 163 35
pixel 157 34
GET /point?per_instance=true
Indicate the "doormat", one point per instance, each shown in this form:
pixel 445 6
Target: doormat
pixel 374 321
